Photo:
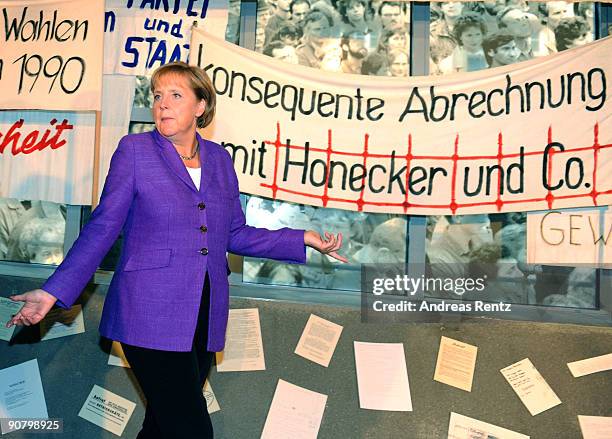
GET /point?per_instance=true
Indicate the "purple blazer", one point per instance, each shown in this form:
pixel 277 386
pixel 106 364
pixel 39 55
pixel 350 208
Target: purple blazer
pixel 172 235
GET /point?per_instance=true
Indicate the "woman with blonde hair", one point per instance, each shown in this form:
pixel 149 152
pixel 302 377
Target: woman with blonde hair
pixel 175 197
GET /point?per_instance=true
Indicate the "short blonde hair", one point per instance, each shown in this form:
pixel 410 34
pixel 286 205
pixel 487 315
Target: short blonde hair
pixel 200 84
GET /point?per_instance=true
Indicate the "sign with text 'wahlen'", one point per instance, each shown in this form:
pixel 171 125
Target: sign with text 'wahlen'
pixel 51 55
pixel 531 136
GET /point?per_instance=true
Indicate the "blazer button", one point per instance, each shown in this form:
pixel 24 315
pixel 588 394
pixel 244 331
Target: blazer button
pixel 203 229
pixel 204 251
pixel 201 206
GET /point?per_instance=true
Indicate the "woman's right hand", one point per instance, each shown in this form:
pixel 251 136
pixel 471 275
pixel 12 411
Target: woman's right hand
pixel 37 305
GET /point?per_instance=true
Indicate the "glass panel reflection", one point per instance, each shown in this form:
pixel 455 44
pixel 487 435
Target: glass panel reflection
pixel 367 238
pixel 494 246
pixel 32 231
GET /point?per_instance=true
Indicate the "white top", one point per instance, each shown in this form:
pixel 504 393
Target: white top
pixel 195 174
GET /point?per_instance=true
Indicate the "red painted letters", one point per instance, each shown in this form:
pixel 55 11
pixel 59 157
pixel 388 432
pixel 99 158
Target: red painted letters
pixel 31 141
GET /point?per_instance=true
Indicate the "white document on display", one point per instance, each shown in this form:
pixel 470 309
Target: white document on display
pixel 21 392
pixel 382 376
pixel 243 345
pixel 8 308
pixel 590 365
pixel 107 410
pixel 116 356
pixel 319 340
pixel 456 363
pixel 595 427
pixel 62 323
pixel 211 400
pixel 530 386
pixel 295 413
pixel 463 427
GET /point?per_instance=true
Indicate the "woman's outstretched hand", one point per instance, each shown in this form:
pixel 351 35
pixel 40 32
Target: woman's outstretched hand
pixel 37 305
pixel 328 246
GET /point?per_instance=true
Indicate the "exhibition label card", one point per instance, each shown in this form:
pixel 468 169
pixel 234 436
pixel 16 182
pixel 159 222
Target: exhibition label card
pixel 462 427
pixel 107 410
pixel 211 399
pixel 116 356
pixel 8 308
pixel 243 345
pixel 62 322
pixel 530 386
pixel 21 392
pixel 595 427
pixel 319 340
pixel 456 363
pixel 591 365
pixel 382 376
pixel 295 413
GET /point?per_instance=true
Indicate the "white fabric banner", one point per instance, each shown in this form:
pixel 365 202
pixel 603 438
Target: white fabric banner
pixel 51 54
pixel 117 97
pixel 531 136
pixel 47 156
pixel 57 166
pixel 140 36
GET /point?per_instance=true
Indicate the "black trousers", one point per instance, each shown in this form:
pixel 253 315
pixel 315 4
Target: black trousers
pixel 172 384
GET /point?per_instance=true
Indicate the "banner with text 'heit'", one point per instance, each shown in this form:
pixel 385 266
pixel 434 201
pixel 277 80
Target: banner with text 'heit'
pixel 47 155
pixel 534 135
pixel 51 56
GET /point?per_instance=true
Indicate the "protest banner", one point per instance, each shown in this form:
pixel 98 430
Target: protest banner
pixel 141 35
pixel 47 155
pixel 530 136
pixel 51 54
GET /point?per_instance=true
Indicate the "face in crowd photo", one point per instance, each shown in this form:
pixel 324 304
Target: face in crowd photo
pixel 32 231
pixel 363 37
pixel 472 36
pixel 464 36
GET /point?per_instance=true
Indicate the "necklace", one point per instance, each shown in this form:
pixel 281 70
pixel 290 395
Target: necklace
pixel 195 151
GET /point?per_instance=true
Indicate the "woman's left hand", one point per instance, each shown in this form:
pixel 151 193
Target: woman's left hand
pixel 328 246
